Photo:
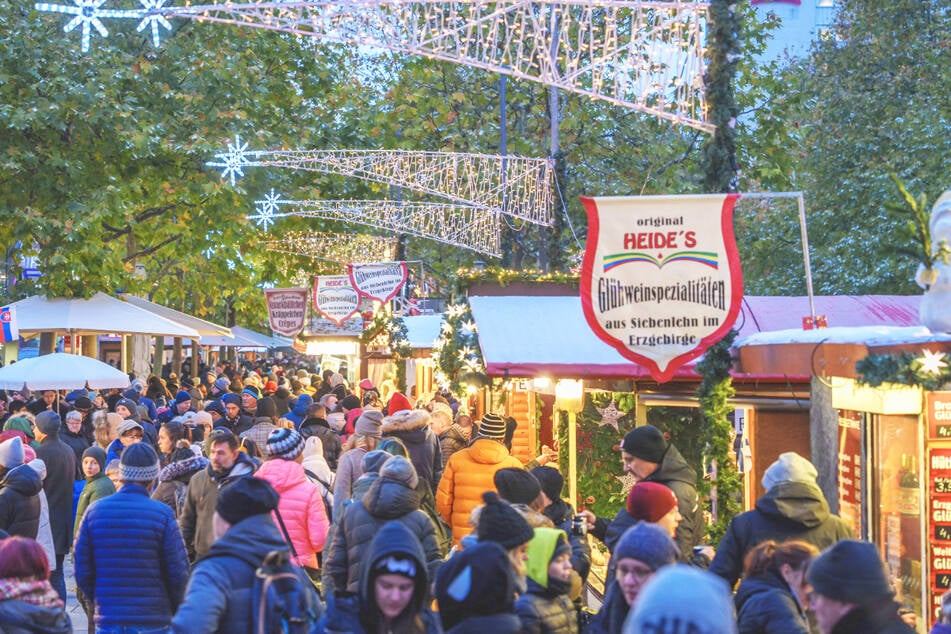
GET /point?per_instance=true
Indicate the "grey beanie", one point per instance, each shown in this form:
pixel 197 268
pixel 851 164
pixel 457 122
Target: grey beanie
pixel 48 422
pixel 694 599
pixel 647 543
pixel 400 469
pixel 139 463
pixel 370 423
pixel 850 571
pixel 790 467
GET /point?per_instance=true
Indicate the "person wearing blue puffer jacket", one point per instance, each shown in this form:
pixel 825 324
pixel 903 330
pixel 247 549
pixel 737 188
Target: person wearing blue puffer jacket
pixel 130 557
pixel 299 413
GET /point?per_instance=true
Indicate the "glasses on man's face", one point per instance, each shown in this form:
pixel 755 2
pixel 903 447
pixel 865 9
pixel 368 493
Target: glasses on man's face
pixel 137 435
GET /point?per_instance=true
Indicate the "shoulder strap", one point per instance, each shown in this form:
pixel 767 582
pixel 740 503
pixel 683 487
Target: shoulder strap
pixel 287 537
pixel 313 476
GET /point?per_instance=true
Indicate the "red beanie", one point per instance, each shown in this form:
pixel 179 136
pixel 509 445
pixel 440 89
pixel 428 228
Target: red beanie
pixel 650 501
pixel 398 403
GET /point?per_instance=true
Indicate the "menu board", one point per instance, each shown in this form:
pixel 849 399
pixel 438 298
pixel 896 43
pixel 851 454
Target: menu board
pixel 939 524
pixel 938 406
pixel 850 469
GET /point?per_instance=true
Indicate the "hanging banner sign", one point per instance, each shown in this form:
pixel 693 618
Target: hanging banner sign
pixel 8 324
pixel 286 310
pixel 661 280
pixel 334 298
pixel 378 281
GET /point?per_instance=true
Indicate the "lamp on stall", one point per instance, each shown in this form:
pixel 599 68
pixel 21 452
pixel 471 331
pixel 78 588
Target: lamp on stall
pixel 569 397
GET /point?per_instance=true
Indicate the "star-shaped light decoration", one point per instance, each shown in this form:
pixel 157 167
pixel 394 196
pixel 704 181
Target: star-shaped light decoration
pixel 233 161
pixel 154 20
pixel 627 483
pixel 469 327
pixel 456 310
pixel 88 15
pixel 267 210
pixel 609 415
pixel 932 362
pixel 465 352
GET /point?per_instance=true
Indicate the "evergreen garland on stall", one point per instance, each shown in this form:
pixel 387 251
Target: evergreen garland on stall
pixel 719 154
pixel 714 393
pixel 904 369
pixel 397 341
pixel 456 353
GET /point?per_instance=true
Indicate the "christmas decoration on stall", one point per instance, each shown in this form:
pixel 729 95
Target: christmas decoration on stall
pixel 715 391
pixel 456 353
pixel 388 330
pixel 602 483
pixel 928 370
pixel 643 55
pixel 466 277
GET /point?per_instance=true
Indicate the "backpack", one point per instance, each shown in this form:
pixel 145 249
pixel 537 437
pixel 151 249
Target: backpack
pixel 283 601
pixel 328 487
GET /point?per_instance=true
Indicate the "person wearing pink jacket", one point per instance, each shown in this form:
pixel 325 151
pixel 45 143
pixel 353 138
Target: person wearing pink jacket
pixel 301 508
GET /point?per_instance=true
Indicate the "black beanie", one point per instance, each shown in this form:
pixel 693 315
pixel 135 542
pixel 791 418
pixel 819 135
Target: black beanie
pixel 646 442
pixel 475 582
pixel 48 422
pixel 266 408
pixel 245 497
pixel 500 523
pixel 850 571
pixel 516 486
pixel 98 454
pixel 551 481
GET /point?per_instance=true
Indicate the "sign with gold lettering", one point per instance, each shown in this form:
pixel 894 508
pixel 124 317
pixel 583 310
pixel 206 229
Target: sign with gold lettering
pixel 661 279
pixel 286 310
pixel 334 298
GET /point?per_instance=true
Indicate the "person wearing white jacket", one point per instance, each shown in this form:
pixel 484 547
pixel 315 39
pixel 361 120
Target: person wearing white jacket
pixel 45 533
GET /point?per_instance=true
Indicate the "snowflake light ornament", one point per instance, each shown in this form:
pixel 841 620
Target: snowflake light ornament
pixel 267 210
pixel 233 161
pixel 932 362
pixel 89 15
pixel 154 20
pixel 609 415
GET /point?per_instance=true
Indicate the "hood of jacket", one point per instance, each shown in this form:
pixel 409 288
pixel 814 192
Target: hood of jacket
pixel 250 540
pixel 389 499
pixel 244 465
pixel 282 474
pixel 394 538
pixel 313 422
pixel 760 584
pixel 304 401
pixel 674 467
pixel 540 550
pixel 558 512
pixel 799 502
pixel 19 423
pixel 406 421
pixel 24 480
pixel 485 451
pixel 455 432
pixel 183 469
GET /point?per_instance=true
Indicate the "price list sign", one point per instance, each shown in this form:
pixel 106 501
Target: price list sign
pixel 939 415
pixel 850 469
pixel 939 522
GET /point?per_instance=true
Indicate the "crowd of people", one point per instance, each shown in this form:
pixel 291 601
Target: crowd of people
pixel 392 516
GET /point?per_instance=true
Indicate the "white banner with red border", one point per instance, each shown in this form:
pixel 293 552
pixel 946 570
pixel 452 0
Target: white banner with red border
pixel 286 309
pixel 380 280
pixel 661 279
pixel 335 298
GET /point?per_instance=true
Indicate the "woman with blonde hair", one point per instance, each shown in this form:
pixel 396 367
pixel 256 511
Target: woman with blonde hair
pixel 771 598
pixel 366 437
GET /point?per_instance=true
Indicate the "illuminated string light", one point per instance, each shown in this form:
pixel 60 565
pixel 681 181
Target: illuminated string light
pixel 342 248
pixel 640 54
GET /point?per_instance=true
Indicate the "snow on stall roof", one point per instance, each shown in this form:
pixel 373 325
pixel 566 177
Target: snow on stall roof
pixel 868 335
pixel 423 330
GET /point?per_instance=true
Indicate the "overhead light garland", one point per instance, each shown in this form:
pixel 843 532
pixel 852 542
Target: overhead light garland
pixel 516 186
pixel 472 228
pixel 638 54
pixel 343 248
pixel 928 370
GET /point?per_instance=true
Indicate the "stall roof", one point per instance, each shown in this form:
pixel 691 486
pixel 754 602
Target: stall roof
pixel 523 336
pixel 423 330
pixel 201 326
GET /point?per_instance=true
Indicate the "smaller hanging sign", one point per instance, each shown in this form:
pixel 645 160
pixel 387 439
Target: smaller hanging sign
pixel 334 298
pixel 8 324
pixel 286 310
pixel 380 281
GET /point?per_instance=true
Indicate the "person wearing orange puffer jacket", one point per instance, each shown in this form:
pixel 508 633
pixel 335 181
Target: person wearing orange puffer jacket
pixel 301 507
pixel 469 473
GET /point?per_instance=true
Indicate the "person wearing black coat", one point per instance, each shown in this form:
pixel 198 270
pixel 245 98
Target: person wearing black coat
pixel 316 425
pixel 771 598
pixel 20 487
pixel 793 507
pixel 60 475
pixel 73 435
pixel 561 513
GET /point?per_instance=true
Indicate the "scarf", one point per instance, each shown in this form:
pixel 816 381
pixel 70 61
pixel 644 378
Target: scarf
pixel 30 590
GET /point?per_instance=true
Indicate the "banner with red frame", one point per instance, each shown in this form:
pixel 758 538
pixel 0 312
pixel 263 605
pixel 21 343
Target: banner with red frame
pixel 334 298
pixel 286 310
pixel 380 281
pixel 661 279
pixel 850 469
pixel 938 411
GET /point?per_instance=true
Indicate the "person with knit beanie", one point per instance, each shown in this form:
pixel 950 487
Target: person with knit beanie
pixel 367 434
pixel 545 606
pixel 397 403
pixel 850 592
pixel 301 506
pixel 20 488
pixel 265 422
pixel 655 504
pixel 128 540
pixel 97 486
pixel 793 507
pixel 470 472
pixel 696 600
pixel 60 462
pixel 475 591
pixel 518 486
pixel 642 550
pixel 562 516
pixel 502 524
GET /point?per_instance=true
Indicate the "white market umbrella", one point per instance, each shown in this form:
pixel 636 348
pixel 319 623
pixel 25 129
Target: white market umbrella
pixel 61 371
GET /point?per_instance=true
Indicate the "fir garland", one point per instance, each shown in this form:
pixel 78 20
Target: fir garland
pixel 903 369
pixel 719 154
pixel 714 393
pixel 456 353
pixel 503 276
pixel 397 341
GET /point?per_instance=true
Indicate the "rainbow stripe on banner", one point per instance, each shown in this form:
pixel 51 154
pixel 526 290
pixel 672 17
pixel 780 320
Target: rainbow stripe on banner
pixel 8 325
pixel 708 258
